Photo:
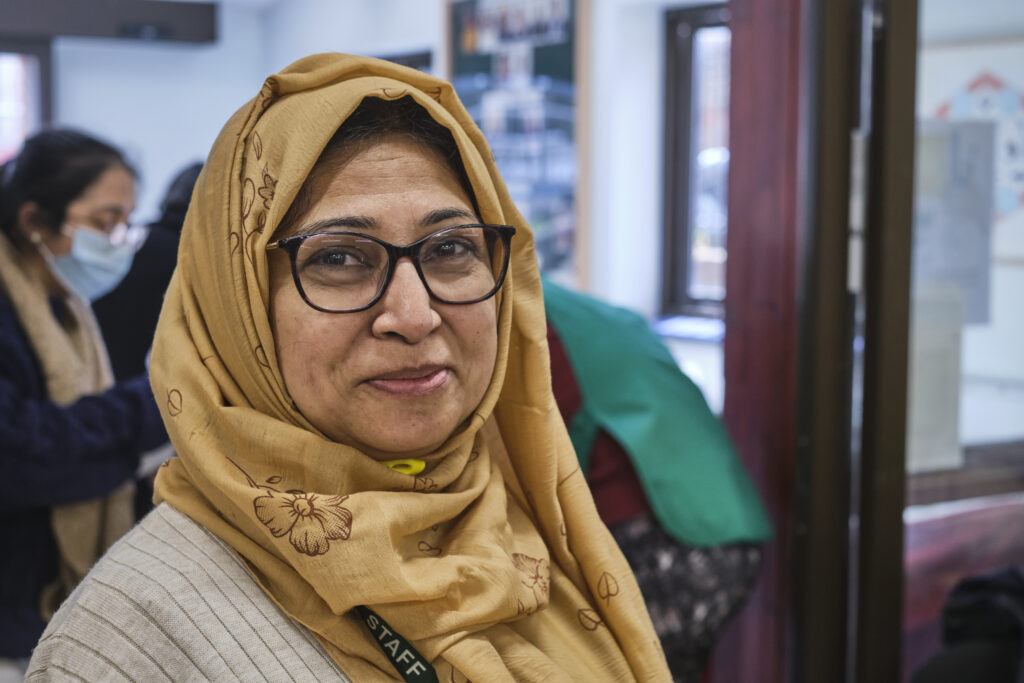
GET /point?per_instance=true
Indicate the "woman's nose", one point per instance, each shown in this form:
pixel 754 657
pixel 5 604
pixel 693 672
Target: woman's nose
pixel 405 309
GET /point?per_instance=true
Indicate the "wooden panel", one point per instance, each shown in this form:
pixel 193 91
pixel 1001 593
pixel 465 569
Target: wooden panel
pixel 141 19
pixel 988 470
pixel 760 309
pixel 972 537
pixel 821 575
pixel 888 241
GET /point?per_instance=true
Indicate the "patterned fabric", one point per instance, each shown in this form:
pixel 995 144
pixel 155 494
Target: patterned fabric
pixel 691 592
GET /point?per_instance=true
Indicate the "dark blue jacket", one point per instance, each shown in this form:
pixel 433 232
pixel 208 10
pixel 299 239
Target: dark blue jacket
pixel 51 455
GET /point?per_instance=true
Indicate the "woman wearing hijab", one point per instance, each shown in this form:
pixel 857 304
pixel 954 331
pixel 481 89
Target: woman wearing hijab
pixel 373 481
pixel 70 439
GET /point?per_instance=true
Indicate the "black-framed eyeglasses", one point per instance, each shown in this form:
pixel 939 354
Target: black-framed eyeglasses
pixel 347 272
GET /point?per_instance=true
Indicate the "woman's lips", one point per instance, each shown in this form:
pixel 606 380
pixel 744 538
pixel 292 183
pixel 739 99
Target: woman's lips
pixel 411 382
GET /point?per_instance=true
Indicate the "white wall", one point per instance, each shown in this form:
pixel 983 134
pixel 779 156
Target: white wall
pixel 625 103
pixel 376 28
pixel 163 103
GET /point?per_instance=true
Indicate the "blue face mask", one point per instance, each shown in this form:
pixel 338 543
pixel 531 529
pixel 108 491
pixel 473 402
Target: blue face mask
pixel 97 263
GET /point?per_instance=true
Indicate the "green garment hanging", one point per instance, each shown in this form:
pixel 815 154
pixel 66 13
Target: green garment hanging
pixel 634 390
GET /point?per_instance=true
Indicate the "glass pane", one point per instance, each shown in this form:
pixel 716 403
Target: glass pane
pixel 710 166
pixel 19 101
pixel 967 329
pixel 965 412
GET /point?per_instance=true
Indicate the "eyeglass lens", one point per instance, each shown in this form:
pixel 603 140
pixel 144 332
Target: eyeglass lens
pixel 345 271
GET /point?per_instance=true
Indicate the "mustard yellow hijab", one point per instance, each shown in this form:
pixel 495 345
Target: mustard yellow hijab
pixel 493 562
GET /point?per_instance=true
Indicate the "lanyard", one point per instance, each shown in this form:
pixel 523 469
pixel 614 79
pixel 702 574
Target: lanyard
pixel 409 663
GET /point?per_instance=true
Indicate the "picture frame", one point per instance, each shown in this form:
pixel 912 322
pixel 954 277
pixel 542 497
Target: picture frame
pixel 514 66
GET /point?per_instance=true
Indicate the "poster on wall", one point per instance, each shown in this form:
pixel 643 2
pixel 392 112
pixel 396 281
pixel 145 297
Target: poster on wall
pixel 988 97
pixel 512 66
pixel 953 213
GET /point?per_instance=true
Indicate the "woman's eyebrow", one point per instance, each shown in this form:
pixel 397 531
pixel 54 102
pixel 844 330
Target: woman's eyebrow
pixel 113 210
pixel 358 222
pixel 441 215
pixel 368 223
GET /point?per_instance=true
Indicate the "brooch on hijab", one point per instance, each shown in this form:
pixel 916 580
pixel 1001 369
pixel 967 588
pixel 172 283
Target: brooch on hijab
pixel 406 465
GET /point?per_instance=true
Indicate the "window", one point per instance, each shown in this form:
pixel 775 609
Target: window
pixel 24 92
pixel 696 160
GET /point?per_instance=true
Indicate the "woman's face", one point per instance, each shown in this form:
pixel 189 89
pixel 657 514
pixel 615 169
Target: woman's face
pixel 106 203
pixel 396 379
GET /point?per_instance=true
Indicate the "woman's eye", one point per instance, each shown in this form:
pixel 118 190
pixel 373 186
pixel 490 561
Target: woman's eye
pixel 335 257
pixel 450 248
pixel 338 258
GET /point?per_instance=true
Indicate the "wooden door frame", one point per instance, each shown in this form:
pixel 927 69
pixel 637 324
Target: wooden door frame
pixel 761 331
pixel 889 230
pixel 827 606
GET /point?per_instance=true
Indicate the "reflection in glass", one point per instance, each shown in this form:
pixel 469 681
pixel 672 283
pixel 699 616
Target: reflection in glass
pixel 710 166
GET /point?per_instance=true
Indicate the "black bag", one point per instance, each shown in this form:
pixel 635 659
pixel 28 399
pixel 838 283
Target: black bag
pixel 982 631
pixel 986 607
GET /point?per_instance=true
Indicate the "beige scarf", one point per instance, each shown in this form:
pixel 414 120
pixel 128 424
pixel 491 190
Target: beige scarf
pixel 493 562
pixel 74 364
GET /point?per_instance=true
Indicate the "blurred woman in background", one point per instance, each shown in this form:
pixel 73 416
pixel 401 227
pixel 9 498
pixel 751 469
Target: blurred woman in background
pixel 70 440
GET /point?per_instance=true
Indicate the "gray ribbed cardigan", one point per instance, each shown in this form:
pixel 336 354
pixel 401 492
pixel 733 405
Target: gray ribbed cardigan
pixel 171 601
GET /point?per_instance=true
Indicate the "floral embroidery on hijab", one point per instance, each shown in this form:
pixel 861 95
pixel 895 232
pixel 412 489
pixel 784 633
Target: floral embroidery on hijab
pixel 424 484
pixel 266 191
pixel 535 575
pixel 607 587
pixel 248 197
pixel 257 145
pixel 428 549
pixel 311 521
pixel 174 403
pixel 589 619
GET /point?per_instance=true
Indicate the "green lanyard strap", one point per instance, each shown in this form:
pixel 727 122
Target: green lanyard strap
pixel 409 663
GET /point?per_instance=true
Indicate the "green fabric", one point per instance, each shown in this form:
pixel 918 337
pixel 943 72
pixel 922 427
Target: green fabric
pixel 634 390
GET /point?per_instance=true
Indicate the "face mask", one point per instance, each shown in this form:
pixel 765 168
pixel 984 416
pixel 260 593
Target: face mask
pixel 95 265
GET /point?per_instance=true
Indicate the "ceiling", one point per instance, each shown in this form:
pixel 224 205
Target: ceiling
pixel 259 4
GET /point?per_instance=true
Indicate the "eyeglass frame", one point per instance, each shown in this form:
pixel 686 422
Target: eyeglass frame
pixel 395 253
pixel 120 234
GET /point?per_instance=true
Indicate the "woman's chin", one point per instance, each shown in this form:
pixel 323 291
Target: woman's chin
pixel 397 434
pixel 398 443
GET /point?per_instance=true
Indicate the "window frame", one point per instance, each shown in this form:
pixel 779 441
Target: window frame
pixel 41 49
pixel 677 231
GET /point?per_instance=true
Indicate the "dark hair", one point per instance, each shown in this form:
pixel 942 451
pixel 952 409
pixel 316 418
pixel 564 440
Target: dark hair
pixel 53 169
pixel 179 194
pixel 372 120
